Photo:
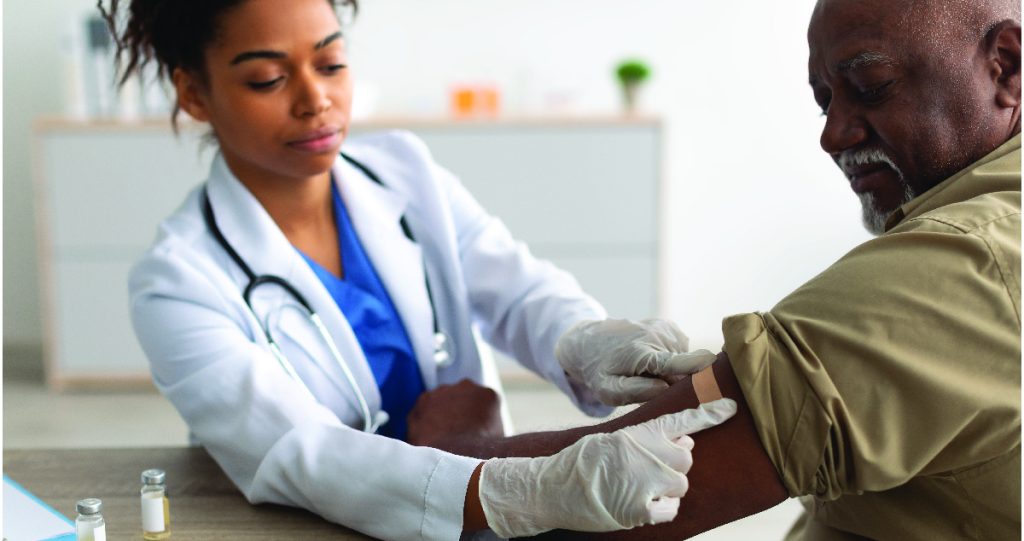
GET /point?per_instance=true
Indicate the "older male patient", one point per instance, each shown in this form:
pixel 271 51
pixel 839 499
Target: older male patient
pixel 886 390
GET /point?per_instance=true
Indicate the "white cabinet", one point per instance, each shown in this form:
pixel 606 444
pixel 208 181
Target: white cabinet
pixel 582 193
pixel 100 191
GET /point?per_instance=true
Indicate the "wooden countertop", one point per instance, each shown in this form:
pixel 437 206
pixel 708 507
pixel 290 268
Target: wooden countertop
pixel 205 505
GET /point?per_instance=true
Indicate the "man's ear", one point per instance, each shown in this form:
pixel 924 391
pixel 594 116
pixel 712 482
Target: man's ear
pixel 190 94
pixel 1004 58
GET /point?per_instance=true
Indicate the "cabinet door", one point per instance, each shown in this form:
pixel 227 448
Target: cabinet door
pixel 94 334
pixel 589 186
pixel 109 189
pixel 585 197
pixel 101 194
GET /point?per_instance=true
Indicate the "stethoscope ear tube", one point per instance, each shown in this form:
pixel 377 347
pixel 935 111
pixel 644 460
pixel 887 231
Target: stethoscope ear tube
pixel 443 355
pixel 370 424
pixel 287 366
pixel 257 281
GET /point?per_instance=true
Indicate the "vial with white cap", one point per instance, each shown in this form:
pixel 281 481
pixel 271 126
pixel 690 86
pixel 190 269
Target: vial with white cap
pixel 89 525
pixel 156 509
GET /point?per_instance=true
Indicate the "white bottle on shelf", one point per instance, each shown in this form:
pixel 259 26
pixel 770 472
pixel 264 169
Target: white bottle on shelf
pixel 101 66
pixel 73 52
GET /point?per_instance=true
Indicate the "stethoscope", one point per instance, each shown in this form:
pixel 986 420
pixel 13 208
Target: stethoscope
pixel 443 354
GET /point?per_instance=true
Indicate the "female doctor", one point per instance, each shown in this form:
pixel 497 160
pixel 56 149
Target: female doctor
pixel 300 300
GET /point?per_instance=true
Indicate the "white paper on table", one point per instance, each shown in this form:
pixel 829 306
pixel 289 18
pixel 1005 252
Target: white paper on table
pixel 27 518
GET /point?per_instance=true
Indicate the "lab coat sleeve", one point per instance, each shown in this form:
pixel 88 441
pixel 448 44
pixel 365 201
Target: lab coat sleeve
pixel 276 443
pixel 521 303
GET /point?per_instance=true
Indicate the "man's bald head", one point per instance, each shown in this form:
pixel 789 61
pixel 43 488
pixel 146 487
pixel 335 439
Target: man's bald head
pixel 931 19
pixel 943 24
pixel 913 90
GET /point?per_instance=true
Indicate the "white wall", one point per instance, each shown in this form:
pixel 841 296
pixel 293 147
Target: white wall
pixel 31 87
pixel 753 207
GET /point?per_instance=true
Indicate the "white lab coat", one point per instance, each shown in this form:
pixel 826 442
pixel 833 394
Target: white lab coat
pixel 209 357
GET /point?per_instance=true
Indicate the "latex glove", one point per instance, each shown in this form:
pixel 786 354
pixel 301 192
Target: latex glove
pixel 601 483
pixel 625 361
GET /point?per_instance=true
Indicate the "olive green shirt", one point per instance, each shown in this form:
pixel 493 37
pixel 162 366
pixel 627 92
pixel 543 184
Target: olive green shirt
pixel 887 388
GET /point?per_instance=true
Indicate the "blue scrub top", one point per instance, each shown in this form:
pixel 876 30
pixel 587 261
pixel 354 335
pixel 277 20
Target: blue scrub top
pixel 368 308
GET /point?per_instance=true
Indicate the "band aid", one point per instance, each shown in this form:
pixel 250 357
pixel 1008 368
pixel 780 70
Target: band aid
pixel 706 386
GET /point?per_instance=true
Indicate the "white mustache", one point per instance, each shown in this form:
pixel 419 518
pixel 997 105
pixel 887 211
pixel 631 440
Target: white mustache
pixel 847 160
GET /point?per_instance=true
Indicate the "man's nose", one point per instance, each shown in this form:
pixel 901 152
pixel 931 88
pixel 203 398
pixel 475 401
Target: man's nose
pixel 313 98
pixel 844 129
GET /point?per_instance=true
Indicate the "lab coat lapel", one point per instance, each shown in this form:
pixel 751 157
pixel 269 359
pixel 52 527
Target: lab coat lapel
pixel 262 245
pixel 376 212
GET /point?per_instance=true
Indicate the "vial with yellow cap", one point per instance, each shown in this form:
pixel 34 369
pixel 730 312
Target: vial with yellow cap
pixel 156 509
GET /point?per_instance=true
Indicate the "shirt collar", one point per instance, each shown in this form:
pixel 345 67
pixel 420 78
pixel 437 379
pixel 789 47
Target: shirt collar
pixel 975 180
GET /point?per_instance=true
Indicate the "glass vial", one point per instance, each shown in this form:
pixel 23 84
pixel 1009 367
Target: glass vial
pixel 156 509
pixel 89 525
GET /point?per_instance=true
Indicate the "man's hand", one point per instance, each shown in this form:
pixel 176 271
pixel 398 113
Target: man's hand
pixel 625 361
pixel 603 482
pixel 450 413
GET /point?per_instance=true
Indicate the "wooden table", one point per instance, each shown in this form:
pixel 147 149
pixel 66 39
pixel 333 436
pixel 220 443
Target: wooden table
pixel 205 505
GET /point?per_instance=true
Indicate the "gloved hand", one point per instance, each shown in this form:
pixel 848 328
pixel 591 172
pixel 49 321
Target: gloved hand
pixel 623 361
pixel 603 482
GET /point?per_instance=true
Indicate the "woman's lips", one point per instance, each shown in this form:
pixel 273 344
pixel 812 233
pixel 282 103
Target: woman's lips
pixel 319 141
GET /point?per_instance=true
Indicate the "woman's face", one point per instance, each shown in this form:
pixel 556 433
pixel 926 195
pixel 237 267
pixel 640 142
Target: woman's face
pixel 278 90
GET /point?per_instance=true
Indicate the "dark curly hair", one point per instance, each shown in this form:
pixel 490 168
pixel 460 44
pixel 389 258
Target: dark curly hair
pixel 172 33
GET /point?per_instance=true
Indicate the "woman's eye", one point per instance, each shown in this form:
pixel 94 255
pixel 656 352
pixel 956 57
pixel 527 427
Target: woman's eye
pixel 263 85
pixel 334 68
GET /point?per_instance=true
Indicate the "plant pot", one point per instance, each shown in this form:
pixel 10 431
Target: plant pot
pixel 630 96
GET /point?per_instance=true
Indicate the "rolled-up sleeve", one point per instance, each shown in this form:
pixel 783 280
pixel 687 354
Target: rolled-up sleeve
pixel 902 359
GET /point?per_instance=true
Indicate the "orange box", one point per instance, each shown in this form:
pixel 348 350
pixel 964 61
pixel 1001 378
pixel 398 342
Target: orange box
pixel 475 100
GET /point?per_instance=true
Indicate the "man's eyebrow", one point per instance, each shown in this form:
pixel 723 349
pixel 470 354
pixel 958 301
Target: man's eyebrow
pixel 252 55
pixel 867 58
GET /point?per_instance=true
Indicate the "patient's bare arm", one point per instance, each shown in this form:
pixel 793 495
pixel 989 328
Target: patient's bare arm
pixel 731 478
pixel 456 418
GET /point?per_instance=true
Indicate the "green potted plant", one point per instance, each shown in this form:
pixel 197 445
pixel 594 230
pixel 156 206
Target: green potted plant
pixel 631 74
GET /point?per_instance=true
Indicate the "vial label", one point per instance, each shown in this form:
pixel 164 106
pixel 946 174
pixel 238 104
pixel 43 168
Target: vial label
pixel 153 512
pixel 89 532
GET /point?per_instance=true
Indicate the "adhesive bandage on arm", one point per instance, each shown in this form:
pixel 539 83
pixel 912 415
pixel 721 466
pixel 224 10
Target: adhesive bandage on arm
pixel 705 386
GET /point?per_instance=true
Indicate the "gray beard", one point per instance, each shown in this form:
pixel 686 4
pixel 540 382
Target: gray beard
pixel 874 219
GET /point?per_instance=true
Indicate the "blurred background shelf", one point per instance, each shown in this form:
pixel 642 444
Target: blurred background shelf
pixel 582 192
pixel 409 122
